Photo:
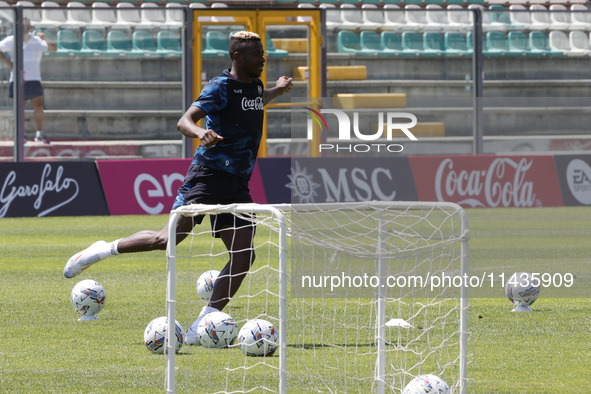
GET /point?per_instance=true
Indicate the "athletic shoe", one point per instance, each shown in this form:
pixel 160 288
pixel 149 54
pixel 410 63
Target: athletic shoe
pixel 42 139
pixel 191 335
pixel 82 260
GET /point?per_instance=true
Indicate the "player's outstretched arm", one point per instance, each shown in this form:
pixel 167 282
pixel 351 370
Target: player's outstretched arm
pixel 187 125
pixel 283 85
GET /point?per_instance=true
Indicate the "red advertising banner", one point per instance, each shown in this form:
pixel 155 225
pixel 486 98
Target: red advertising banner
pixel 136 187
pixel 487 181
pixel 139 187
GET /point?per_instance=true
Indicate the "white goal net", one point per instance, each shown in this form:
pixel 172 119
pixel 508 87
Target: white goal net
pixel 362 295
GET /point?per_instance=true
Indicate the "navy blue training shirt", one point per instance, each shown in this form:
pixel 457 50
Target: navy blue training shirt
pixel 234 111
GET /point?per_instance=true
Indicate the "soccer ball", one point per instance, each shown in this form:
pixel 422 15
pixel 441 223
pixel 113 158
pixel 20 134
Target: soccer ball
pixel 88 298
pixel 155 335
pixel 520 290
pixel 205 284
pixel 217 330
pixel 258 337
pixel 426 384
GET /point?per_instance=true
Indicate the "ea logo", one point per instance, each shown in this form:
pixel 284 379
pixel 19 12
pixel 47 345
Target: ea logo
pixel 578 176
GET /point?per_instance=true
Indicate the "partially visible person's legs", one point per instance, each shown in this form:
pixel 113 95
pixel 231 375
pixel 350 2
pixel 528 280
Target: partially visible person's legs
pixel 239 243
pixel 39 116
pixel 141 241
pixel 34 92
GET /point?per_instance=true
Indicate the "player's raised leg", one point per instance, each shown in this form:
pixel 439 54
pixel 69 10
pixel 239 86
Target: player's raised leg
pixel 141 241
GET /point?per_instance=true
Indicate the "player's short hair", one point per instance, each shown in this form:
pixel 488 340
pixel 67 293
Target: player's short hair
pixel 241 39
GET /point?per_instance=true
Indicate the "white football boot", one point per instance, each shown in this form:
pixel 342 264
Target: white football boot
pixel 82 260
pixel 191 337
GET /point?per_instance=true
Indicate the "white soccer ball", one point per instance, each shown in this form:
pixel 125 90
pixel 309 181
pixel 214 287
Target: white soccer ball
pixel 217 330
pixel 258 337
pixel 88 298
pixel 205 284
pixel 424 384
pixel 520 290
pixel 155 335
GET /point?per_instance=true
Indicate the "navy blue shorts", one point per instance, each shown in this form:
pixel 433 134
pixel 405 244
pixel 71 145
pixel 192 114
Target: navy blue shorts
pixel 204 185
pixel 32 89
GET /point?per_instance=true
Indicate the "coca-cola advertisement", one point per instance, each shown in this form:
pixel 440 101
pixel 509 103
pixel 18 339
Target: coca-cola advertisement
pixel 488 180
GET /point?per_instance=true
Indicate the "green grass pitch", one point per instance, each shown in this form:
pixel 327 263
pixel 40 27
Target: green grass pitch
pixel 44 349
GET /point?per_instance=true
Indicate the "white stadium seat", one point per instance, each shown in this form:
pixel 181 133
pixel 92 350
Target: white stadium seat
pixel 520 17
pixel 580 17
pixel 579 42
pixel 540 18
pixel 394 18
pixel 373 17
pixel 559 17
pixel 352 17
pixel 458 18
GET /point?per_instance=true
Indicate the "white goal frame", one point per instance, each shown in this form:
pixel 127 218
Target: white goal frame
pixel 277 211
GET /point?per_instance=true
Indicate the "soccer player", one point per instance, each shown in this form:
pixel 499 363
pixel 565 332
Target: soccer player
pixel 232 104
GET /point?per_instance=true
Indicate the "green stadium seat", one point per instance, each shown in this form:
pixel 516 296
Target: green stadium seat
pixel 216 44
pixel 271 51
pixel 350 42
pixel 539 45
pixel 518 44
pixel 142 42
pixel 49 34
pixel 496 44
pixel 499 15
pixel 118 42
pixel 169 43
pixel 470 41
pixel 93 43
pixel 391 44
pixel 456 44
pixel 432 44
pixel 370 40
pixel 67 43
pixel 412 43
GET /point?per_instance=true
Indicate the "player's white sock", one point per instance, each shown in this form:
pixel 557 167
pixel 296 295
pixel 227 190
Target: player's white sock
pixel 191 334
pixel 39 134
pixel 114 246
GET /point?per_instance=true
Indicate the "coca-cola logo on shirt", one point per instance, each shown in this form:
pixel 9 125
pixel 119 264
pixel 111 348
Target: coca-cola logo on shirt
pixel 504 183
pixel 252 104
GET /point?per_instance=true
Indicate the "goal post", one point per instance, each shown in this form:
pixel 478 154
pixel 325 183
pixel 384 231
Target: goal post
pixel 350 336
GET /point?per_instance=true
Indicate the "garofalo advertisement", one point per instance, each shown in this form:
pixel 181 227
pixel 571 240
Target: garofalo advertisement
pixel 51 189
